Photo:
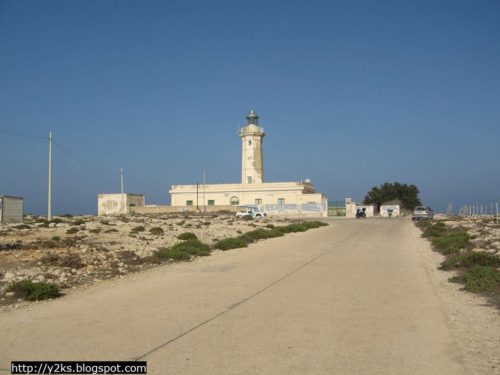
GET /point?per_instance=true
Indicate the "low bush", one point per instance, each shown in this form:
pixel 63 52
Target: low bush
pixel 111 230
pixel 184 250
pixel 479 279
pixel 79 222
pixel 171 253
pixel 230 243
pixel 432 230
pixel 187 236
pixel 157 231
pixel 72 230
pixel 95 231
pixel 451 242
pixel 471 259
pixel 260 234
pixel 138 229
pixel 31 291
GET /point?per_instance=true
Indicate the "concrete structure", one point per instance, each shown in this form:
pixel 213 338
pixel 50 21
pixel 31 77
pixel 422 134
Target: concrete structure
pixel 11 209
pixel 351 208
pixel 283 198
pixel 118 204
pixel 384 210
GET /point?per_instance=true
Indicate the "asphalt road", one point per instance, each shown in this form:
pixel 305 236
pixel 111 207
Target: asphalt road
pixel 351 298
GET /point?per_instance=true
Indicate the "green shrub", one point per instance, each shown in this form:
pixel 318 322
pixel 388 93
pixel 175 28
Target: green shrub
pixel 56 238
pixel 433 230
pixel 111 230
pixel 31 291
pixel 451 243
pixel 72 230
pixel 138 229
pixel 259 234
pixel 187 236
pixel 230 243
pixel 97 230
pixel 79 222
pixel 184 250
pixel 292 228
pixel 471 259
pixel 171 253
pixel 480 279
pixel 57 220
pixel 157 231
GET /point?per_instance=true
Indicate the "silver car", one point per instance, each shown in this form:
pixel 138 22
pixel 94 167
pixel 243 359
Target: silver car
pixel 421 212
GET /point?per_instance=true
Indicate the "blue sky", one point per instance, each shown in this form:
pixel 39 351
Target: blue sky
pixel 351 94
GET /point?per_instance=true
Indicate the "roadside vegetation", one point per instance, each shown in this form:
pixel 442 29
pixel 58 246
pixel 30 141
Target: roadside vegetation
pixel 191 246
pixel 31 291
pixel 261 233
pixel 478 271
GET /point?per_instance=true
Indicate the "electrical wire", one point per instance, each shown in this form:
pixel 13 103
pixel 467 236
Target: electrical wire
pixel 4 129
pixel 78 160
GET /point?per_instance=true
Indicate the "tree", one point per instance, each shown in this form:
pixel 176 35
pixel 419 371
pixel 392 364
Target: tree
pixel 406 194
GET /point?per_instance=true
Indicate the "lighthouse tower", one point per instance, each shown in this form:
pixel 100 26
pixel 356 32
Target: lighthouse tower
pixel 252 165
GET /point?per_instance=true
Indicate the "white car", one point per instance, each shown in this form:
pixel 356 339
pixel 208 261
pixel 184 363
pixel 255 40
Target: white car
pixel 421 212
pixel 252 211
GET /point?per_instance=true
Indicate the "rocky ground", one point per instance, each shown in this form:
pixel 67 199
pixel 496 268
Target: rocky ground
pixel 484 231
pixel 71 251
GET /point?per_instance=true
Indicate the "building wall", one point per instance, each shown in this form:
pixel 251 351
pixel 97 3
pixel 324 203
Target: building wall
pixel 276 198
pixel 351 208
pixel 384 210
pixel 180 209
pixel 11 209
pixel 118 204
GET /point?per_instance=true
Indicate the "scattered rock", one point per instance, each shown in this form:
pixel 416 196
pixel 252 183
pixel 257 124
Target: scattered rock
pixel 9 294
pixel 9 276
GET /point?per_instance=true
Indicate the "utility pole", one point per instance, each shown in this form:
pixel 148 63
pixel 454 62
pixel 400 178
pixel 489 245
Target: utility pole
pixel 49 200
pixel 204 188
pixel 123 195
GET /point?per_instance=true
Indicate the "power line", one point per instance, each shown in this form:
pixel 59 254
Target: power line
pixel 78 160
pixel 4 129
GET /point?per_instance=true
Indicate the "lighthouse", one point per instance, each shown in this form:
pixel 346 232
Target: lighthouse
pixel 252 164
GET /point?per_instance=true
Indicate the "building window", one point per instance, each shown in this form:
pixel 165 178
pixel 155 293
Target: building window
pixel 249 143
pixel 258 201
pixel 249 179
pixel 234 201
pixel 281 201
pixel 211 202
pixel 189 203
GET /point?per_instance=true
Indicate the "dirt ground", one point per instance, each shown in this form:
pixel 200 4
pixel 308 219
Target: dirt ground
pixel 71 251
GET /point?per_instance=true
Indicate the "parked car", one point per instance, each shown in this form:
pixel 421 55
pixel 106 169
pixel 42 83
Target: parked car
pixel 421 212
pixel 254 212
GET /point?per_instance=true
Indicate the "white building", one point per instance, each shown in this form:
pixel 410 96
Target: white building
pixel 285 198
pixel 11 209
pixel 118 204
pixel 393 209
pixel 352 207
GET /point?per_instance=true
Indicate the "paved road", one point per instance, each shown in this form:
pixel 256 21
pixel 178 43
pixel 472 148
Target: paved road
pixel 351 298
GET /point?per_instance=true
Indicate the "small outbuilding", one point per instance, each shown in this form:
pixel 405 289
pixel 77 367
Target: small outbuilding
pixel 11 209
pixel 390 210
pixel 118 204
